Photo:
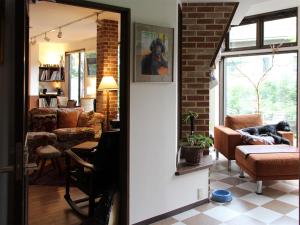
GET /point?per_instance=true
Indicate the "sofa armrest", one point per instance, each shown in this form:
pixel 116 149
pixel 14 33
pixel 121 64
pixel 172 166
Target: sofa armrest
pixel 97 124
pixel 288 135
pixel 225 141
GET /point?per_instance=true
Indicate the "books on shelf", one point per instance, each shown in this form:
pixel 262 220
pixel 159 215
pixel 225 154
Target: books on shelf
pixel 43 103
pixel 55 74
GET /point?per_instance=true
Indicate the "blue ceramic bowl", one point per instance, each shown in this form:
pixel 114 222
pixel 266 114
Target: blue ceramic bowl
pixel 221 196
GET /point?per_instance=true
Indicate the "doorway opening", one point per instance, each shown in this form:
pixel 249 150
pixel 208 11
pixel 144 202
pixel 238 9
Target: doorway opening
pixel 66 101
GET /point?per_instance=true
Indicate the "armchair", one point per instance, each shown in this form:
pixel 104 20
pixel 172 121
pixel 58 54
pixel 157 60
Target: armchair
pixel 226 138
pixel 97 177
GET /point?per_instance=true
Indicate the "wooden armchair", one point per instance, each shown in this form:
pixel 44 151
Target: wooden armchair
pixel 226 138
pixel 96 177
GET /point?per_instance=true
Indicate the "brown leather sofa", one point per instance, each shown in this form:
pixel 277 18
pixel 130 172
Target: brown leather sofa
pixel 226 138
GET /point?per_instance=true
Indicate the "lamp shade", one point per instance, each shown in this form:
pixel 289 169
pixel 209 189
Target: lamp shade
pixel 107 83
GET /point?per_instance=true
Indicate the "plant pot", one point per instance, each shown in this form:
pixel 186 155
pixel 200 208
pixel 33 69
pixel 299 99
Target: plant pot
pixel 192 154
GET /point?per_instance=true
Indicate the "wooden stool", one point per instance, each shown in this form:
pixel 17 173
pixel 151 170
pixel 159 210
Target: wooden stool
pixel 48 152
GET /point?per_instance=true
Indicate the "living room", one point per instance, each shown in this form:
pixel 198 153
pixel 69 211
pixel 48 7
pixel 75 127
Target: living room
pixel 157 189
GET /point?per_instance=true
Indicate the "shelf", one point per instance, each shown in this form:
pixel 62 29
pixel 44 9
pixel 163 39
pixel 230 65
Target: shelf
pixel 184 168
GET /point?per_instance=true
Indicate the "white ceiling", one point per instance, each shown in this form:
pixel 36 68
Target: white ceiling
pixel 252 7
pixel 45 16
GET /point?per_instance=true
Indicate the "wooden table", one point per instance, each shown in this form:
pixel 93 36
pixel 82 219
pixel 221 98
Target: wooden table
pixel 85 148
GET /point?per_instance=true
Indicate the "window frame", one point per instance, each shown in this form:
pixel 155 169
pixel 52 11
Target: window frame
pixel 259 20
pixel 223 90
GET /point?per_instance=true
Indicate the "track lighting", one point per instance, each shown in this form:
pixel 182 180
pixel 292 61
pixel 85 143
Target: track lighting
pixel 59 34
pixel 46 38
pixel 32 41
pixel 98 22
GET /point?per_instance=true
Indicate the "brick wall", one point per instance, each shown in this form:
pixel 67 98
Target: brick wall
pixel 107 64
pixel 203 27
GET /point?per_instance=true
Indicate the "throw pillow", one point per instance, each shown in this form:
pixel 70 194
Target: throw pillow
pixel 44 122
pixel 67 118
pixel 85 119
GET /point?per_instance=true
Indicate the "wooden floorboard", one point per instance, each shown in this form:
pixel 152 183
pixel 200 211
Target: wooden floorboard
pixel 47 206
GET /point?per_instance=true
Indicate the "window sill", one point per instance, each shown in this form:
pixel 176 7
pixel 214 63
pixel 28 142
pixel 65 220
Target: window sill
pixel 184 168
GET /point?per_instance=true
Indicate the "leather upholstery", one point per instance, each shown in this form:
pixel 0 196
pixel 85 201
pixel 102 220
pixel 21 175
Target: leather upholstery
pixel 243 121
pixel 269 166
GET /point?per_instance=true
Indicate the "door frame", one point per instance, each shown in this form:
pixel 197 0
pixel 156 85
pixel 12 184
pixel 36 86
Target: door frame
pixel 124 87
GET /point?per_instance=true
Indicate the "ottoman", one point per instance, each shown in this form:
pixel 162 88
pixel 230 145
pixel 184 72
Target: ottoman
pixel 268 162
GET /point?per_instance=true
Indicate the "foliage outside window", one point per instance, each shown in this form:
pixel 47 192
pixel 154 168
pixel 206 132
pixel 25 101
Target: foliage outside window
pixel 265 84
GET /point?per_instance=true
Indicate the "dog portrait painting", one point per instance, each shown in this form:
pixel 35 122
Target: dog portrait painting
pixel 153 53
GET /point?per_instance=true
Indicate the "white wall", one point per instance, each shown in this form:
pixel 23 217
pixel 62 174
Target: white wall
pixel 34 70
pixel 154 189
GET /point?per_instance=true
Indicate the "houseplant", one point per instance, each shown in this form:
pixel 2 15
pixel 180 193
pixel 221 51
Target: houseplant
pixel 194 146
pixel 190 116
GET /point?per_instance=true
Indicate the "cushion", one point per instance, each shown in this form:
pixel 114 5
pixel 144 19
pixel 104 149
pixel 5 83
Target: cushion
pixel 67 118
pixel 85 119
pixel 48 152
pixel 243 121
pixel 35 139
pixel 69 134
pixel 43 122
pixel 249 139
pixel 96 124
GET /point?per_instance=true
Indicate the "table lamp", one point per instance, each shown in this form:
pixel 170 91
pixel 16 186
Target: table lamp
pixel 107 84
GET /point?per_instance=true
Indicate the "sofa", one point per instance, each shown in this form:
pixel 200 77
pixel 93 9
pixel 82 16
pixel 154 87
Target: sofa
pixel 70 126
pixel 226 138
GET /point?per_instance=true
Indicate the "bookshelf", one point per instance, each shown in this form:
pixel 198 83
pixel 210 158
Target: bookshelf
pixel 51 74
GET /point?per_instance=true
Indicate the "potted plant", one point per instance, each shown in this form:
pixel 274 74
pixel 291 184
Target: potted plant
pixel 190 116
pixel 194 147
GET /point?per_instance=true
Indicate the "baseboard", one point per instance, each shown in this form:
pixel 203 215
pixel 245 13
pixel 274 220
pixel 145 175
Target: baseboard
pixel 172 213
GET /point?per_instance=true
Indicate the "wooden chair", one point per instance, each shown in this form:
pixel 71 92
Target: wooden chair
pixel 96 177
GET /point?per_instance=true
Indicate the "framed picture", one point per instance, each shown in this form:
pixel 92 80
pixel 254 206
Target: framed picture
pixel 153 55
pixel 2 12
pixel 91 62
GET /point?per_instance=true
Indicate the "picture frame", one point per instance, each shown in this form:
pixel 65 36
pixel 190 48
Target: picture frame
pixel 153 53
pixel 2 14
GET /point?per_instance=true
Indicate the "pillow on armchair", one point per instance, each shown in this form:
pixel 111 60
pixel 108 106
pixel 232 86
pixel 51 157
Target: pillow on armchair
pixel 67 118
pixel 44 122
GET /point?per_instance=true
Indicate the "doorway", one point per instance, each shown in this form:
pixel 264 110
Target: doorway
pixel 16 209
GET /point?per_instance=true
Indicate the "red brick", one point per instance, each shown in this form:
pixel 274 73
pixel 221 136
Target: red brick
pixel 214 27
pixel 205 9
pixel 196 15
pixel 205 21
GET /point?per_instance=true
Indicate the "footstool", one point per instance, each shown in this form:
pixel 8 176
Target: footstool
pixel 48 152
pixel 268 162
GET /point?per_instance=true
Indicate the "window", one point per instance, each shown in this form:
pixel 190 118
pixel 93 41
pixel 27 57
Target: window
pixel 76 75
pixel 261 31
pixel 262 83
pixel 243 36
pixel 280 31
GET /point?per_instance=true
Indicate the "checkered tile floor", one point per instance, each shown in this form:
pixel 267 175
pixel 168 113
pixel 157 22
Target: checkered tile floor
pixel 279 204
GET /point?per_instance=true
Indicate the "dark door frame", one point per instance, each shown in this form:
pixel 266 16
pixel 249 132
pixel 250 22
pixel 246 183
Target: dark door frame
pixel 124 86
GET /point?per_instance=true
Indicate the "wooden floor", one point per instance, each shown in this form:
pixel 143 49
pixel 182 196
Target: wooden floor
pixel 47 206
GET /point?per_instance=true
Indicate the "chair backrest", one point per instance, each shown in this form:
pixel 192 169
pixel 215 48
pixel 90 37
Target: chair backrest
pixel 242 121
pixel 87 104
pixel 107 156
pixel 71 103
pixel 62 101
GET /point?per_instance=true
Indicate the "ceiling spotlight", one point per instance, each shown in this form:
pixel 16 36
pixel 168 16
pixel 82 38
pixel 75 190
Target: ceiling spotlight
pixel 32 41
pixel 59 34
pixel 46 38
pixel 98 22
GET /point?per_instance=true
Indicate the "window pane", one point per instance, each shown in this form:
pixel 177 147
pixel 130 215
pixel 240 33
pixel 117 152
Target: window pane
pixel 280 31
pixel 277 90
pixel 242 36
